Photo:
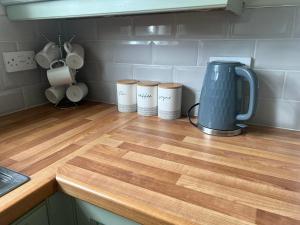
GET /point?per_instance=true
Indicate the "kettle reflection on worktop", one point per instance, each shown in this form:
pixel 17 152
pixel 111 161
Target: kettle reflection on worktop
pixel 219 107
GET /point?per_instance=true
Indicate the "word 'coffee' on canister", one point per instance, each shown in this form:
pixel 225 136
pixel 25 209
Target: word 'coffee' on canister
pixel 169 100
pixel 147 98
pixel 126 93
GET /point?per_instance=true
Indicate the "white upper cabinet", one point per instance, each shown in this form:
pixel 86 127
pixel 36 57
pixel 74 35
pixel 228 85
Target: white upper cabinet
pixel 46 9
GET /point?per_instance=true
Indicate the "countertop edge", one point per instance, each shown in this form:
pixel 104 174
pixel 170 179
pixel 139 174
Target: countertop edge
pixel 117 204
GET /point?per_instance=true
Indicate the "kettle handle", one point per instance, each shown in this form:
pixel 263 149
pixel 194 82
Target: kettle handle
pixel 250 76
pixel 189 114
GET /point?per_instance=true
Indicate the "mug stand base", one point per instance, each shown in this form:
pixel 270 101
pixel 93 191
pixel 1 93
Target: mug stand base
pixel 66 104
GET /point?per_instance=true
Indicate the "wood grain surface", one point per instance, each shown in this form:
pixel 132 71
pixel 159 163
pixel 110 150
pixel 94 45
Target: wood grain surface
pixel 150 170
pixel 39 140
pixel 168 172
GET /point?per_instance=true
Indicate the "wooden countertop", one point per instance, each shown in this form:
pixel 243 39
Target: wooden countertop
pixel 150 170
pixel 39 140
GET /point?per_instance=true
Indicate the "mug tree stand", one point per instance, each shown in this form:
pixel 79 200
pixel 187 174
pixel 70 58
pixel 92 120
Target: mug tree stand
pixel 65 103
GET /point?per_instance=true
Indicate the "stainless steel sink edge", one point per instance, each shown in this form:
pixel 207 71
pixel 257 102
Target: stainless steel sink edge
pixel 10 180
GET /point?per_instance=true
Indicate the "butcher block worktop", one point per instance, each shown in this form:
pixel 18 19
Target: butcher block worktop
pixel 150 170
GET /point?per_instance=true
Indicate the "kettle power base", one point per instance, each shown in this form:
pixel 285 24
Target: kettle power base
pixel 224 133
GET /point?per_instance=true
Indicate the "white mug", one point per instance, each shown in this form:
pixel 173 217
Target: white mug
pixel 62 75
pixel 47 55
pixel 55 94
pixel 75 55
pixel 77 92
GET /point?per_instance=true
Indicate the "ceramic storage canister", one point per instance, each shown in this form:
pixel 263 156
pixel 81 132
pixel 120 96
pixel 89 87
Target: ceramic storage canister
pixel 126 92
pixel 169 100
pixel 147 98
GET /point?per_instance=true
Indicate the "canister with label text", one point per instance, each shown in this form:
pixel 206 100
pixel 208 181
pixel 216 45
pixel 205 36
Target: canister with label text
pixel 169 100
pixel 126 93
pixel 147 98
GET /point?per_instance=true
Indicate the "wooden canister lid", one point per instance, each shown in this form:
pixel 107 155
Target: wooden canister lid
pixel 148 83
pixel 170 85
pixel 127 81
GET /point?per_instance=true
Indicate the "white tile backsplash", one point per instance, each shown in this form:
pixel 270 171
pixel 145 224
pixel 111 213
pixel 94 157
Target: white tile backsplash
pixel 138 52
pixel 102 91
pixel 278 54
pixel 192 25
pixel 292 86
pixel 190 77
pixel 99 50
pixel 278 113
pixel 11 101
pixel 264 23
pixel 118 28
pixel 112 72
pixel 177 46
pixel 189 98
pixel 1 83
pixel 17 31
pixel 89 72
pixel 22 89
pixel 2 11
pixel 49 29
pixel 270 83
pixel 183 53
pixel 168 47
pixel 237 48
pixel 30 45
pixel 84 29
pixel 34 95
pixel 159 26
pixel 297 23
pixel 154 73
pixel 19 79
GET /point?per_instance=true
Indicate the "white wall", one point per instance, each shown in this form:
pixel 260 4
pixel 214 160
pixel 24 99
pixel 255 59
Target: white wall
pixel 21 90
pixel 168 47
pixel 176 47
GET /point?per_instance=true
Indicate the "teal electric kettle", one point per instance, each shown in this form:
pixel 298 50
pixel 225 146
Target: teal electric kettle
pixel 219 106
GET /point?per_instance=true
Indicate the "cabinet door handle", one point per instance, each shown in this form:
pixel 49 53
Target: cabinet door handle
pixel 95 222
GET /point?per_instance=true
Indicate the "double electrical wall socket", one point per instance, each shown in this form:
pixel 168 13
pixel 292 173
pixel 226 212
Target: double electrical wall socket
pixel 19 61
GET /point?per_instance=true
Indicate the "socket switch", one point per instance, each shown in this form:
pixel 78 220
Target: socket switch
pixel 19 61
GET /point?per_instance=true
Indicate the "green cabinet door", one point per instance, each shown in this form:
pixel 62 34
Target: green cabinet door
pixel 37 216
pixel 61 209
pixel 88 214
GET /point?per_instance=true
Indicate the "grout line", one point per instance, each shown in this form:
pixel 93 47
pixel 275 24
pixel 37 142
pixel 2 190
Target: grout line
pixel 278 99
pixel 17 45
pixel 175 25
pixel 132 27
pixel 173 73
pixel 152 48
pixel 254 52
pixel 8 42
pixel 293 28
pixel 276 70
pixel 186 66
pixel 98 29
pixel 203 38
pixel 132 71
pixel 200 49
pixel 230 27
pixel 284 86
pixel 60 28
